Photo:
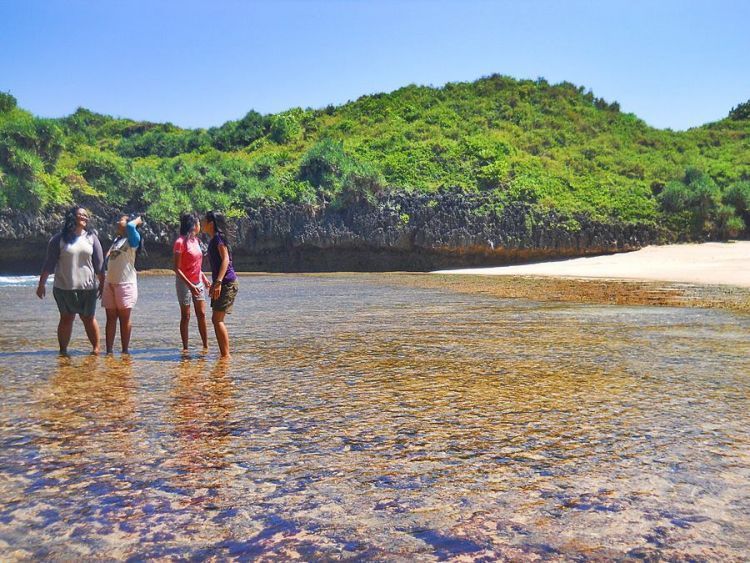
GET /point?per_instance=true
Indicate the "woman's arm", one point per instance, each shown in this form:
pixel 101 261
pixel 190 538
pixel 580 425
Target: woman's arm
pixel 98 261
pixel 41 289
pixel 53 255
pixel 224 253
pixel 134 237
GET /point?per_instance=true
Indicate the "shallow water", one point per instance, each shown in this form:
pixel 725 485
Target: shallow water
pixel 363 419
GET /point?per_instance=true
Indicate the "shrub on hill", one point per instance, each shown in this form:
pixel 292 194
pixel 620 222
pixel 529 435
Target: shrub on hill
pixel 550 146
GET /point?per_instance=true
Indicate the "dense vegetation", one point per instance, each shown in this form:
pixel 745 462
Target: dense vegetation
pixel 551 146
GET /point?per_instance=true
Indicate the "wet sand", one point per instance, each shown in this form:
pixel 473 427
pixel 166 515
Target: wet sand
pixel 591 291
pixel 711 263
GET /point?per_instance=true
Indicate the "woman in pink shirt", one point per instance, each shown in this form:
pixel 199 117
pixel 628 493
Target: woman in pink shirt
pixel 190 281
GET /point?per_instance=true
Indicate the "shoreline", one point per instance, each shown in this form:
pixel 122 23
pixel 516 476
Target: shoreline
pixel 711 263
pixel 599 291
pixel 707 275
pixel 592 291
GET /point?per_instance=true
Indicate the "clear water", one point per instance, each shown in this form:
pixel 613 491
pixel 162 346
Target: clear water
pixel 360 419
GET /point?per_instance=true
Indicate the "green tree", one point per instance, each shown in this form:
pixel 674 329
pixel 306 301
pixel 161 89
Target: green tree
pixel 697 203
pixel 7 102
pixel 29 150
pixel 285 127
pixel 324 165
pixel 108 174
pixel 738 196
pixel 234 135
pixel 740 111
pixel 361 184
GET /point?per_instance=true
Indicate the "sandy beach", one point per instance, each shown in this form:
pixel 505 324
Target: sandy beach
pixel 712 263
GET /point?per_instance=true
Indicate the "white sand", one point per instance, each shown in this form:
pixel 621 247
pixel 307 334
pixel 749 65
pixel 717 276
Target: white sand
pixel 707 263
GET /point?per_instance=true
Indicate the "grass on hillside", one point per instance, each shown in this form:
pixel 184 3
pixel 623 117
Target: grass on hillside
pixel 552 146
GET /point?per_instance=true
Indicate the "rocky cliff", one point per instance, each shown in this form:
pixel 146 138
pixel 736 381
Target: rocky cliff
pixel 414 232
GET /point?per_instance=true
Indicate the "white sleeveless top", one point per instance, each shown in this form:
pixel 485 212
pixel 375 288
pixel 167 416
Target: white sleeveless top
pixel 121 265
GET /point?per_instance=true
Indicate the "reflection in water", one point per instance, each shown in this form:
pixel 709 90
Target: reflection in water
pixel 75 474
pixel 201 412
pixel 363 420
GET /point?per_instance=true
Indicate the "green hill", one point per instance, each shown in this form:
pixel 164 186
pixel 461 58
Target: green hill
pixel 555 147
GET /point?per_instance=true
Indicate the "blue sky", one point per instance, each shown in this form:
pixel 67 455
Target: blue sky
pixel 675 64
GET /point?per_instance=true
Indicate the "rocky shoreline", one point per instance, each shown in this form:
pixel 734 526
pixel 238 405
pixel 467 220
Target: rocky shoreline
pixel 406 232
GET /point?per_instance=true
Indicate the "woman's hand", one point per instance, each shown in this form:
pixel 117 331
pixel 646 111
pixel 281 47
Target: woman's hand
pixel 216 291
pixel 195 290
pixel 41 288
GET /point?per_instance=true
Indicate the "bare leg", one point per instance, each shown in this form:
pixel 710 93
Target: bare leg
pixel 92 331
pixel 64 331
pixel 125 328
pixel 184 324
pixel 222 336
pixel 110 329
pixel 200 313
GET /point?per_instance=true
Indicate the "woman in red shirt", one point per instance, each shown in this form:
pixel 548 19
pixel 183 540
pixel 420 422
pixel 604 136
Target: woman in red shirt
pixel 190 281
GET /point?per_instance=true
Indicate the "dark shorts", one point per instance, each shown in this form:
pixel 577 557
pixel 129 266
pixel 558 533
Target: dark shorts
pixel 75 301
pixel 226 297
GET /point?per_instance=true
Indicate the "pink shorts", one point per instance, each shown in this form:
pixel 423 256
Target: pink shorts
pixel 119 295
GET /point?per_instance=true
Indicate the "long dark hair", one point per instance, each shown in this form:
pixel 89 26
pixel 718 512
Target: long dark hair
pixel 187 223
pixel 69 224
pixel 220 225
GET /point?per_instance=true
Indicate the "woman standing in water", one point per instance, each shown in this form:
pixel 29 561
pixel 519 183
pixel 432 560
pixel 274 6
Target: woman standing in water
pixel 75 256
pixel 225 286
pixel 189 281
pixel 121 285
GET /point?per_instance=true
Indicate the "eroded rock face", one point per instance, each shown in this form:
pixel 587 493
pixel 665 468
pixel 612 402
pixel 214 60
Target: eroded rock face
pixel 413 232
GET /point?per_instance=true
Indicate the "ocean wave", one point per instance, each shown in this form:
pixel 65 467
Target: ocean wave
pixel 14 281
